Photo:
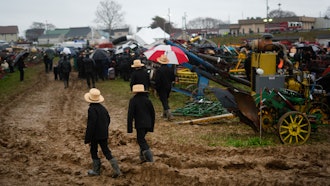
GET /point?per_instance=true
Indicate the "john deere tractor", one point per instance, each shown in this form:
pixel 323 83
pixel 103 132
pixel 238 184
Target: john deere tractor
pixel 290 101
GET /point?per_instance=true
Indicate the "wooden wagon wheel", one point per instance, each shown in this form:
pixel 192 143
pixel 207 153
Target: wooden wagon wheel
pixel 294 128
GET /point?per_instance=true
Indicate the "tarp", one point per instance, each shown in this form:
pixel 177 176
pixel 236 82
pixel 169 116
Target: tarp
pixel 147 37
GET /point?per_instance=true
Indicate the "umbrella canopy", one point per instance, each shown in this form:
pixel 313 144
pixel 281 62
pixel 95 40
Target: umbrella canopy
pixel 174 54
pixel 67 50
pixel 50 53
pixel 20 55
pixel 100 54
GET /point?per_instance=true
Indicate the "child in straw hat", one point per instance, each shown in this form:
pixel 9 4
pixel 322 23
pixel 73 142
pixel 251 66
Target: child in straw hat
pixel 97 132
pixel 139 75
pixel 141 110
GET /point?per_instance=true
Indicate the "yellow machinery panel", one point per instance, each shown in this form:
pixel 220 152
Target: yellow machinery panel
pixel 265 61
pixel 185 76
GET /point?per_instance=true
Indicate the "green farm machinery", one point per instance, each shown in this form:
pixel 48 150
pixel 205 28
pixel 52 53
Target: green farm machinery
pixel 282 98
pixel 291 115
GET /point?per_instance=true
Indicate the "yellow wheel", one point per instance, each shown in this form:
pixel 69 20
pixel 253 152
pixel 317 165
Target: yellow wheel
pixel 267 119
pixel 321 111
pixel 294 128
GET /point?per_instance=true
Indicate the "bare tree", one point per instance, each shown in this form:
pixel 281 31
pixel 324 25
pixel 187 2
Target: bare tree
pixel 109 14
pixel 281 13
pixel 207 22
pixel 39 25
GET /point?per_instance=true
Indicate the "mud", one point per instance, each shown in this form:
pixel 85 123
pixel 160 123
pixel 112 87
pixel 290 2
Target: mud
pixel 41 143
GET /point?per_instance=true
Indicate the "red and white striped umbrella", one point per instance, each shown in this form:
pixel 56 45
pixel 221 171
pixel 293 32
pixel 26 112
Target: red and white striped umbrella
pixel 174 54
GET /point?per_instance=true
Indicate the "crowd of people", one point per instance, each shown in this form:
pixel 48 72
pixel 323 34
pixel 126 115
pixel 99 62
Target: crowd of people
pixel 133 68
pixel 140 114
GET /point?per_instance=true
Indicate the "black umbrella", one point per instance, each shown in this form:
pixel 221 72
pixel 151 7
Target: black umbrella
pixel 50 53
pixel 20 55
pixel 100 55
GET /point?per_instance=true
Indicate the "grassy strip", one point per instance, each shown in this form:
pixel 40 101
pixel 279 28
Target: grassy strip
pixel 220 139
pixel 10 85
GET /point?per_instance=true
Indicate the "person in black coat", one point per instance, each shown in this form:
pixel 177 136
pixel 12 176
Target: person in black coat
pixel 125 64
pixel 163 81
pixel 142 111
pixel 21 65
pixel 65 69
pixel 139 75
pixel 97 133
pixel 90 69
pixel 46 60
pixel 80 65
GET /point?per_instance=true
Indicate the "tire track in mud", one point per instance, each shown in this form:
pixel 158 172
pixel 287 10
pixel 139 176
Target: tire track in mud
pixel 43 132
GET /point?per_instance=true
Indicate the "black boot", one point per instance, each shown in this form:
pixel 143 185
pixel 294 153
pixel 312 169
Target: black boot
pixel 148 155
pixel 142 158
pixel 96 168
pixel 164 114
pixel 169 115
pixel 114 165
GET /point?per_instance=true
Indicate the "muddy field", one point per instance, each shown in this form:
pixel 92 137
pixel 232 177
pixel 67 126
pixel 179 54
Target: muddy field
pixel 41 143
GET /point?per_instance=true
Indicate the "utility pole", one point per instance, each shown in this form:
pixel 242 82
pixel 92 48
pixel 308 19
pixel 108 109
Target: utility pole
pixel 46 32
pixel 279 10
pixel 169 21
pixel 267 20
pixel 184 26
pixel 267 8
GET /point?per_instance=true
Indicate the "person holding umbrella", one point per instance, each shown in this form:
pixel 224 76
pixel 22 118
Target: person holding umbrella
pixel 19 61
pixel 65 69
pixel 163 81
pixel 89 68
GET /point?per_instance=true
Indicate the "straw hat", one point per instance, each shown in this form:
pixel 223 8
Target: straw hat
pixel 94 96
pixel 137 63
pixel 138 88
pixel 163 59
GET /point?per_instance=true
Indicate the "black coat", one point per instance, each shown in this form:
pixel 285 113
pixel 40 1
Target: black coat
pixel 140 76
pixel 163 78
pixel 89 65
pixel 97 123
pixel 65 66
pixel 142 111
pixel 20 63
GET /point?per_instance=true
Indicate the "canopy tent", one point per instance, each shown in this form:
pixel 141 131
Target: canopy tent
pixel 145 38
pixel 148 37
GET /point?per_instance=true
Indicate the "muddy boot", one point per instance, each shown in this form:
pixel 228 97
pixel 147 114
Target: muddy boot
pixel 142 158
pixel 148 155
pixel 169 115
pixel 164 114
pixel 96 168
pixel 66 84
pixel 114 165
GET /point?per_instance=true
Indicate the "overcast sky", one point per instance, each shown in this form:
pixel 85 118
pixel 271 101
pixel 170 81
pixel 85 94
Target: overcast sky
pixel 81 13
